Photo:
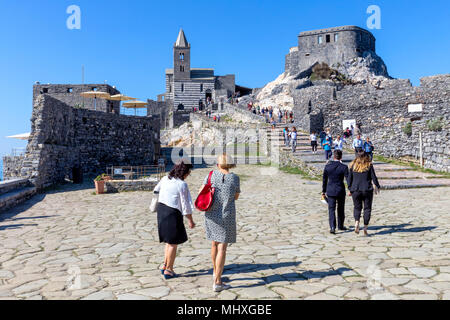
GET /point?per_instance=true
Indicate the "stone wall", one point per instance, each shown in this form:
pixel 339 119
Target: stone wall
pixel 338 45
pixel 70 95
pixel 382 113
pixel 63 138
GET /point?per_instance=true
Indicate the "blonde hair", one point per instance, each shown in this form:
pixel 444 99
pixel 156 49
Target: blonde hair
pixel 225 161
pixel 361 163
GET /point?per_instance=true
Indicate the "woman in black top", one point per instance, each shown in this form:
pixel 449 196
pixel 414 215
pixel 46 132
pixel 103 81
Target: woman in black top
pixel 359 182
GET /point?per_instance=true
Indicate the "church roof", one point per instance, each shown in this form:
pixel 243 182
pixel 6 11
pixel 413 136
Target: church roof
pixel 181 40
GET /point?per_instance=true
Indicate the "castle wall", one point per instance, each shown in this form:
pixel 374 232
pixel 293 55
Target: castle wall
pixel 70 94
pixel 63 137
pixel 225 85
pixel 351 42
pixel 383 114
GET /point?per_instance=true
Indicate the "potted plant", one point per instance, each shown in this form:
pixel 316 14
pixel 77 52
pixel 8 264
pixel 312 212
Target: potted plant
pixel 100 184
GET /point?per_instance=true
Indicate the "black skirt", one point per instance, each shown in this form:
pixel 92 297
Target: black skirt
pixel 170 225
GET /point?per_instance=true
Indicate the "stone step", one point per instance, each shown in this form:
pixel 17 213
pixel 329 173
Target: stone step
pixel 16 196
pixel 413 183
pixel 11 184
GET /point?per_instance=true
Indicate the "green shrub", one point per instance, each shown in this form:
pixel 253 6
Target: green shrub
pixel 435 124
pixel 407 129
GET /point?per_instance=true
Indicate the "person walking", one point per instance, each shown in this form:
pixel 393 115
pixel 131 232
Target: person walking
pixel 286 136
pixel 327 147
pixel 368 148
pixel 322 136
pixel 313 139
pixel 220 219
pixel 360 179
pixel 174 202
pixel 333 186
pixel 358 144
pixel 338 144
pixel 294 139
pixel 280 115
pixel 291 117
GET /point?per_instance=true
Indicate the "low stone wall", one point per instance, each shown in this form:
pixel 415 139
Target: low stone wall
pixel 64 138
pixel 287 159
pixel 114 186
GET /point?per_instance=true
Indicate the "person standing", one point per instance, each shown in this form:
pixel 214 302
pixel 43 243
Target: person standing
pixel 360 179
pixel 294 139
pixel 368 148
pixel 358 144
pixel 313 138
pixel 327 147
pixel 286 136
pixel 338 144
pixel 291 117
pixel 174 202
pixel 333 186
pixel 322 136
pixel 220 219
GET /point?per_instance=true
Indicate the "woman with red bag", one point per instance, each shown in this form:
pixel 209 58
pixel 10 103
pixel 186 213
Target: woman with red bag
pixel 220 218
pixel 174 202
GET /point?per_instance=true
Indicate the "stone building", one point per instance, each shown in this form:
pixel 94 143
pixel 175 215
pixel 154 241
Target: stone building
pixel 332 45
pixel 70 95
pixel 186 86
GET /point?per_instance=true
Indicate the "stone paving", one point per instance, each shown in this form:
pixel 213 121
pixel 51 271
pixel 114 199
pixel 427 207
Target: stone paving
pixel 71 244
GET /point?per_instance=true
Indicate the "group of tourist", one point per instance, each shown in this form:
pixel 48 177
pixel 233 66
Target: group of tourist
pixel 174 202
pixel 290 138
pixel 271 115
pixel 329 144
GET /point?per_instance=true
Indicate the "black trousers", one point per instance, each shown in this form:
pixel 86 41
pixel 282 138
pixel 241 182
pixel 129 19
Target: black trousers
pixel 360 198
pixel 340 202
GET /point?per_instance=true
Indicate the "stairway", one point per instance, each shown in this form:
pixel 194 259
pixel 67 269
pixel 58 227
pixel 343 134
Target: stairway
pixel 390 176
pixel 15 191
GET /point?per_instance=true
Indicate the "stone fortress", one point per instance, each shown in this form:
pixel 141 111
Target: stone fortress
pixel 332 46
pixel 334 74
pixel 68 134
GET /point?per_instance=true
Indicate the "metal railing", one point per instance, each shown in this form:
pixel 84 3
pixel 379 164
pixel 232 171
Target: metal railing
pixel 150 172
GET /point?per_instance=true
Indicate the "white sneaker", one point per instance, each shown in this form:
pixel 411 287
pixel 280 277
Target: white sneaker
pixel 220 287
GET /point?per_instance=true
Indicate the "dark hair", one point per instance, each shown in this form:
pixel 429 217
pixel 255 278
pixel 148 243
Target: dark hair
pixel 338 154
pixel 180 170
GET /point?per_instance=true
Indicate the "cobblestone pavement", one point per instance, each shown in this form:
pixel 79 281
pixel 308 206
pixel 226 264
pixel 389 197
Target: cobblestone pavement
pixel 71 244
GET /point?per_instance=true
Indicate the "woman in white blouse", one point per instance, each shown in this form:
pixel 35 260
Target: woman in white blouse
pixel 174 202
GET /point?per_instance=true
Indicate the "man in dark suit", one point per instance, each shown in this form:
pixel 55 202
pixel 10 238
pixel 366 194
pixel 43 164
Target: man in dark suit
pixel 333 186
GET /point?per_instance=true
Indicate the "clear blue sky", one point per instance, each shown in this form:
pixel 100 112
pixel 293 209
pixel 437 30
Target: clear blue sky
pixel 129 43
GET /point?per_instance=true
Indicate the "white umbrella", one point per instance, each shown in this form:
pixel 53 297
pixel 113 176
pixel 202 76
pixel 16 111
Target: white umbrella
pixel 95 95
pixel 121 97
pixel 22 136
pixel 135 105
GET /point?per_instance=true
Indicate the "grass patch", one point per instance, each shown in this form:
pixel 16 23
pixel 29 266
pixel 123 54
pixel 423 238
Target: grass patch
pixel 410 164
pixel 304 174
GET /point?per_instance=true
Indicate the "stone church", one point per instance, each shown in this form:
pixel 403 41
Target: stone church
pixel 186 86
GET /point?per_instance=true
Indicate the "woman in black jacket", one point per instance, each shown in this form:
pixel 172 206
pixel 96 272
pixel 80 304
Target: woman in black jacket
pixel 359 182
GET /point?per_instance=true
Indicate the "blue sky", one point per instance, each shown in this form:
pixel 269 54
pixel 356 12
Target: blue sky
pixel 129 43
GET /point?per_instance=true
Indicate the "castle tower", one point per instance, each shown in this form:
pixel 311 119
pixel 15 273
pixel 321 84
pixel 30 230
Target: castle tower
pixel 182 58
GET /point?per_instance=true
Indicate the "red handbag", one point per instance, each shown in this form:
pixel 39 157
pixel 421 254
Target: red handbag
pixel 204 200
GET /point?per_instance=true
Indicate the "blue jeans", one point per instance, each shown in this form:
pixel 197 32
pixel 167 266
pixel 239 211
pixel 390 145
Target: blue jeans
pixel 294 145
pixel 328 154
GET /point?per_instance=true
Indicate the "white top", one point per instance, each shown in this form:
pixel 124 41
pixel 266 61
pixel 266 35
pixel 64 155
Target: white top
pixel 175 193
pixel 338 144
pixel 313 137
